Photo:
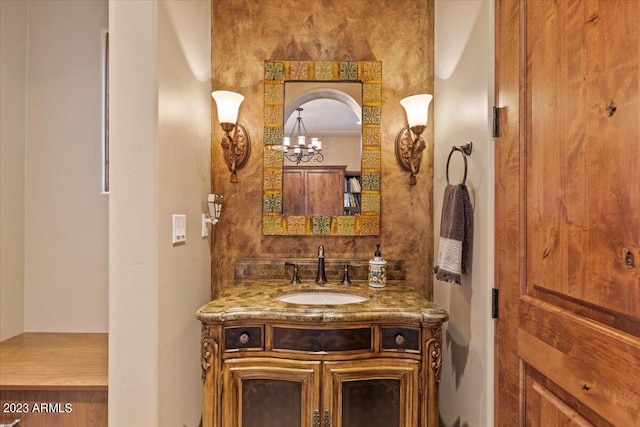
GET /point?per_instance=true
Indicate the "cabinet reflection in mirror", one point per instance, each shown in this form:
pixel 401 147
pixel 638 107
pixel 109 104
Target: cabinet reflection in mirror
pixel 322 148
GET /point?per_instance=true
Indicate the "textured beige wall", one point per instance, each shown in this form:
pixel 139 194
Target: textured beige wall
pixel 13 78
pixel 400 34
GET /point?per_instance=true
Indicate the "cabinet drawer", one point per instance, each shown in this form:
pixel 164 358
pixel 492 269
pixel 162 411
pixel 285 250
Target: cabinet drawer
pixel 329 340
pixel 243 338
pixel 395 338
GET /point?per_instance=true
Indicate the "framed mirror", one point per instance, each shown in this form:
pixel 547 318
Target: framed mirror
pixel 303 195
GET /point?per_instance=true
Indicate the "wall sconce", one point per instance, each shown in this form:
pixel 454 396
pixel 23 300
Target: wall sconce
pixel 409 143
pixel 237 146
pixel 214 203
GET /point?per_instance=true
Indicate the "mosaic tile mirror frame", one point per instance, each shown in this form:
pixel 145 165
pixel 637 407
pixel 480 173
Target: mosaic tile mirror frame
pixel 276 73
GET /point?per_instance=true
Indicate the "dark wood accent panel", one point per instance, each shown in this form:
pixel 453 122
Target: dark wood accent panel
pixel 243 338
pixel 329 340
pixel 271 403
pixel 371 403
pixel 397 338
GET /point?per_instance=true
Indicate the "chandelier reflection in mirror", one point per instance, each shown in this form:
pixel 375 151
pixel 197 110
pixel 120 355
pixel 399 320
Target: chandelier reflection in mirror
pixel 301 151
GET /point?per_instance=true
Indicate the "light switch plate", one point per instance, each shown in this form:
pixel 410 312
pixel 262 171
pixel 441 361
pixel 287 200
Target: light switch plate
pixel 179 228
pixel 205 229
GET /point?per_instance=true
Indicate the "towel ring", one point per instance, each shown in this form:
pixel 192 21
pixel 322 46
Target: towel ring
pixel 466 151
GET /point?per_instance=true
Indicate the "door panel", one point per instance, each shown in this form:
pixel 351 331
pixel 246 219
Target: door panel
pixel 325 192
pixel 549 409
pixel 371 393
pixel 270 393
pixel 568 212
pixel 583 358
pixel 582 180
pixel 294 200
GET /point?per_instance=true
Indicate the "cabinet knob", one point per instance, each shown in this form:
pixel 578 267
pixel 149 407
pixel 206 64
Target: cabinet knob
pixel 244 338
pixel 316 418
pixel 400 339
pixel 326 421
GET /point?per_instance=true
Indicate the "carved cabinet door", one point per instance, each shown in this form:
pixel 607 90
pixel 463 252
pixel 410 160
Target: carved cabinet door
pixel 568 213
pixel 370 393
pixel 263 392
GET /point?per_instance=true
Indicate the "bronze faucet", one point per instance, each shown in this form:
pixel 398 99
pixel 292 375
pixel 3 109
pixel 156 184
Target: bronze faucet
pixel 321 276
pixel 345 279
pixel 295 280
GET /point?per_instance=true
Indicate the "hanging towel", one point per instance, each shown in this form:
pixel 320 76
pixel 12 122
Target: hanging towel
pixel 456 233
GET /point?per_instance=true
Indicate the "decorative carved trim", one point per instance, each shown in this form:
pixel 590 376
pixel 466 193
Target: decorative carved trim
pixel 208 348
pixel 434 346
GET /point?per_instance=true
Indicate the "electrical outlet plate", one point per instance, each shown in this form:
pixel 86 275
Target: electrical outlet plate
pixel 179 228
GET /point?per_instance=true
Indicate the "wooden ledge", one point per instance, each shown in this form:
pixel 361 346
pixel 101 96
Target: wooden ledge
pixel 54 361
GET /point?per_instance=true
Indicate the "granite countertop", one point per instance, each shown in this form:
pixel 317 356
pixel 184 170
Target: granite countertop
pixel 256 300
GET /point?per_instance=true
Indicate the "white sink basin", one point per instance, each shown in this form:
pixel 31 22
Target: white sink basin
pixel 321 298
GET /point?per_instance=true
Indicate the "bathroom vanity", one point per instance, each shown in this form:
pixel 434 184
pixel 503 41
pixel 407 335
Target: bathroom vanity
pixel 308 355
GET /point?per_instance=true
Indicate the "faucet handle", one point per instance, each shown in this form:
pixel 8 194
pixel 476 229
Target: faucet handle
pixel 295 280
pixel 345 278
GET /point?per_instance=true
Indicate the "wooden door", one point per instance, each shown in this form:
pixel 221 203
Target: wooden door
pixel 325 190
pixel 262 392
pixel 294 200
pixel 568 213
pixel 370 393
pixel 312 190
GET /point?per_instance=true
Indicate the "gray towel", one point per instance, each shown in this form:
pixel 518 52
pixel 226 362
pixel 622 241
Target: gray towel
pixel 456 234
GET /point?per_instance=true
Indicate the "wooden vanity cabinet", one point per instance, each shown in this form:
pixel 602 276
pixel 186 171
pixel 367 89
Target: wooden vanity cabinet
pixel 301 375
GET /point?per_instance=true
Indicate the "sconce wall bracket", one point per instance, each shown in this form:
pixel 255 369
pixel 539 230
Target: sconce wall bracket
pixel 409 150
pixel 237 148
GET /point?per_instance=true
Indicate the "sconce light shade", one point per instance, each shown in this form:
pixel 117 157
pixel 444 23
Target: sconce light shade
pixel 417 109
pixel 228 105
pixel 236 146
pixel 409 142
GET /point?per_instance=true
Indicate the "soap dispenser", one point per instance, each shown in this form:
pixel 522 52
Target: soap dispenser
pixel 377 270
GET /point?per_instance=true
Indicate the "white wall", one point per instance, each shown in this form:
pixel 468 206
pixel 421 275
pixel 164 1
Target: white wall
pixel 463 99
pixel 54 217
pixel 160 130
pixel 133 215
pixel 184 163
pixel 65 211
pixel 13 80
